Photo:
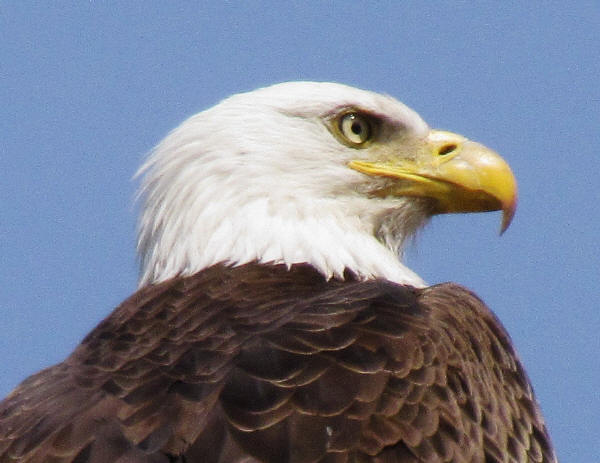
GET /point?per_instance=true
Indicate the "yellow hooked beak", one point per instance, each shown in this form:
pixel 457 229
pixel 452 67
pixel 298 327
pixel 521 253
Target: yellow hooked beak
pixel 458 174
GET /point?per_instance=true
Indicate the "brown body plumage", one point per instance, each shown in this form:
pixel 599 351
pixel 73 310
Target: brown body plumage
pixel 258 363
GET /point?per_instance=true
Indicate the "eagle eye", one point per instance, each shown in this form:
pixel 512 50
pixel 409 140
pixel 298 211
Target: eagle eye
pixel 356 128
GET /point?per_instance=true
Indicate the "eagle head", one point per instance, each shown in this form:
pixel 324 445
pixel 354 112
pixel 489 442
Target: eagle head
pixel 307 172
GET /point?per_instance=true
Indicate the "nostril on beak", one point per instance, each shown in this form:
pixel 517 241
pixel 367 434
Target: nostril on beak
pixel 447 149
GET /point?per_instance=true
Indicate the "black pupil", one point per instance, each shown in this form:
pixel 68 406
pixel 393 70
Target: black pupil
pixel 356 128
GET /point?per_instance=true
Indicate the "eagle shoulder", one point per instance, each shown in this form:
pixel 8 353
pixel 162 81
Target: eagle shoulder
pixel 266 363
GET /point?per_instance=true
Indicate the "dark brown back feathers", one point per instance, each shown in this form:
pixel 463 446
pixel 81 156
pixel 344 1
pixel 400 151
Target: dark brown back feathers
pixel 261 363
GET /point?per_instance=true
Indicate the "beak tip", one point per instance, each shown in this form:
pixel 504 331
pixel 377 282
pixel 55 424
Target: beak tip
pixel 504 226
pixel 508 212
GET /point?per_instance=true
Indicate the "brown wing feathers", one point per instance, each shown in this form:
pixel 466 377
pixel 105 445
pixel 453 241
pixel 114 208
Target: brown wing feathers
pixel 258 363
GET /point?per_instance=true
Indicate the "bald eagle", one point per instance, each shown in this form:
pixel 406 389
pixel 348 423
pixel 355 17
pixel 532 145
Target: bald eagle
pixel 275 320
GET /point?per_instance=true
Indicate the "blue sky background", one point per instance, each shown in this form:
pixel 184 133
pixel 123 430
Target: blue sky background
pixel 87 89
